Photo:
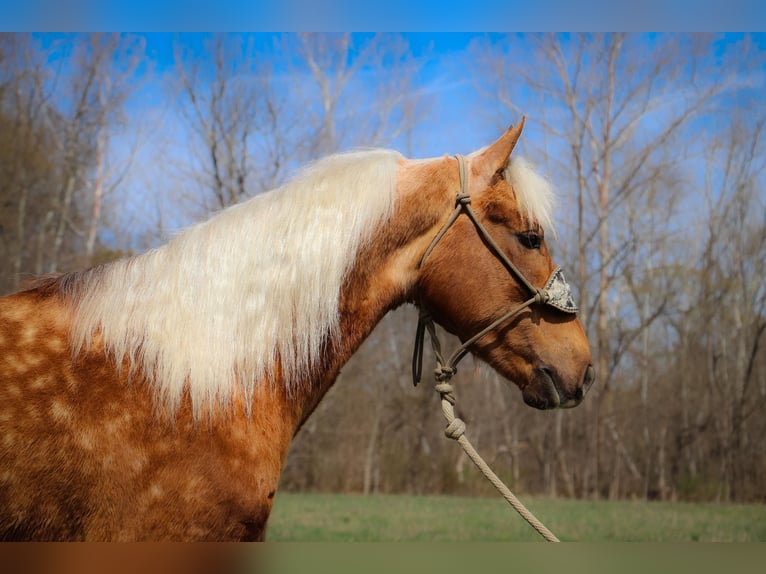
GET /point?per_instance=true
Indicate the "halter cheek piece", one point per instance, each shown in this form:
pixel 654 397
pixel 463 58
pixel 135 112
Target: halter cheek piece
pixel 555 293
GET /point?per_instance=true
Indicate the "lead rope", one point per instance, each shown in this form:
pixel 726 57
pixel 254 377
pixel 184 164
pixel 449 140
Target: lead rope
pixel 456 428
pixel 445 370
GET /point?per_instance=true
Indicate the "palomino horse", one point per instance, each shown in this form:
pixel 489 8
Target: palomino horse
pixel 154 398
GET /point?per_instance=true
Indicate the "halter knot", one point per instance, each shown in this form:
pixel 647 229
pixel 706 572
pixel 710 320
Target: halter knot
pixel 445 390
pixel 462 198
pixel 455 429
pixel 542 296
pixel 444 373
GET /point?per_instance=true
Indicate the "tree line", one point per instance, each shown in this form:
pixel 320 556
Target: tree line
pixel 654 143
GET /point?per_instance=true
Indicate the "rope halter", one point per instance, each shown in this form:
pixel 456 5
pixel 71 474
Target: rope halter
pixel 556 292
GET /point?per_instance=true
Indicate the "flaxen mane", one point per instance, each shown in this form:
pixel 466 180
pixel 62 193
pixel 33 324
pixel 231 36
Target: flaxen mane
pixel 222 302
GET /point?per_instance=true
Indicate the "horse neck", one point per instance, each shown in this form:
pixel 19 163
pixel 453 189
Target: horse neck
pixel 385 272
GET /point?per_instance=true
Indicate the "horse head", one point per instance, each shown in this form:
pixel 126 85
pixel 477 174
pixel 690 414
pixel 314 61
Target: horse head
pixel 488 278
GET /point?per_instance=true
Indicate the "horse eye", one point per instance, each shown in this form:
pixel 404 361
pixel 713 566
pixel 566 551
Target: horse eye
pixel 530 239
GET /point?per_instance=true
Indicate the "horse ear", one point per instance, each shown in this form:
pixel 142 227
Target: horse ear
pixel 495 157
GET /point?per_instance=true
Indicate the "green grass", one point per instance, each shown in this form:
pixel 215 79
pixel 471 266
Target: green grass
pixel 394 518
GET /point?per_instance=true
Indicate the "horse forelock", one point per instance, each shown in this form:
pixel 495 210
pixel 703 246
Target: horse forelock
pixel 254 290
pixel 533 192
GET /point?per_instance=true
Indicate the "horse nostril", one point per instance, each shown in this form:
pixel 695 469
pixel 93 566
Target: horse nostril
pixel 590 378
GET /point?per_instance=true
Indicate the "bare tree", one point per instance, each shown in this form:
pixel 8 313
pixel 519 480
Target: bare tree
pixel 115 59
pixel 94 90
pixel 732 267
pixel 365 92
pixel 227 103
pixel 616 115
pixel 26 156
pixel 61 104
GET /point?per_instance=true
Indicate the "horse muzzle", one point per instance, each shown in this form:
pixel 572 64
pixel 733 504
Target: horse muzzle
pixel 548 390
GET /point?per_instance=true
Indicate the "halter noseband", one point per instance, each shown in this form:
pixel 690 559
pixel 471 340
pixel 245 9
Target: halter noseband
pixel 555 293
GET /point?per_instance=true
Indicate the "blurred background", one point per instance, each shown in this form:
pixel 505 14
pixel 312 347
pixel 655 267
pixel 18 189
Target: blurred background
pixel 110 143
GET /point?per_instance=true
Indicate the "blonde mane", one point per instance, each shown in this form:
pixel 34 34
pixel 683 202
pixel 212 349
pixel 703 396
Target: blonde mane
pixel 256 287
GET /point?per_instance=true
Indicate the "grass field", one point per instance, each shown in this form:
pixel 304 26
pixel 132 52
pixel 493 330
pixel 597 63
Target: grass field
pixel 394 518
